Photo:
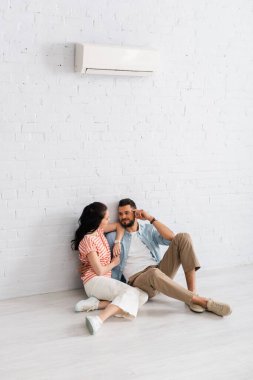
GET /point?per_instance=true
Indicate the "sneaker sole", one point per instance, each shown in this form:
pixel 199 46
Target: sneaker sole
pixel 225 314
pixel 199 311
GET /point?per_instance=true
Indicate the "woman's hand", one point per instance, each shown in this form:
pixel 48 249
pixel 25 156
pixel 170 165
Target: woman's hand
pixel 115 260
pixel 116 249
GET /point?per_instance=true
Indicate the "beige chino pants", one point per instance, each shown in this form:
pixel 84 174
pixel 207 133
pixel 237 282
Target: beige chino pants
pixel 159 278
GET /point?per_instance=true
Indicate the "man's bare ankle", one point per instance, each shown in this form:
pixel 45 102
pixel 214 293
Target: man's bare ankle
pixel 200 301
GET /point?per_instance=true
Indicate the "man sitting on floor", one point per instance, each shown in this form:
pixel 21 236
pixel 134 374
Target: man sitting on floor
pixel 141 264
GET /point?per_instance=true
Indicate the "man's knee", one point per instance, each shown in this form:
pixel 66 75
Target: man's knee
pixel 158 280
pixel 154 272
pixel 147 281
pixel 155 276
pixel 183 236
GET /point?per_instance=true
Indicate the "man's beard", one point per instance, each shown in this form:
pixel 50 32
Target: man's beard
pixel 129 224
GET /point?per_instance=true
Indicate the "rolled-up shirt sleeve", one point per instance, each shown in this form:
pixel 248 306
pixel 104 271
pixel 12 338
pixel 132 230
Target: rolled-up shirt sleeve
pixel 86 246
pixel 159 239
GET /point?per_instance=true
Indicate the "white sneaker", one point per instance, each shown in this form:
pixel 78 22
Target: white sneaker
pixel 87 305
pixel 93 324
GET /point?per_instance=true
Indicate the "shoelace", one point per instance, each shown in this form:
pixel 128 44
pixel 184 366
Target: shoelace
pixel 219 307
pixel 91 308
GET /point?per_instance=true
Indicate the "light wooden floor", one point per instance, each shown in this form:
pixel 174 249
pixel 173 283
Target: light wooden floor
pixel 42 338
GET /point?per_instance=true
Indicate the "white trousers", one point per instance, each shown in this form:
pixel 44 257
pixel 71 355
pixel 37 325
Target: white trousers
pixel 124 296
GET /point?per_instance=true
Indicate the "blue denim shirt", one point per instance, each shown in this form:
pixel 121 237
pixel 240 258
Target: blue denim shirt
pixel 148 235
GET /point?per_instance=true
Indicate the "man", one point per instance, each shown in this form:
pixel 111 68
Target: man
pixel 141 264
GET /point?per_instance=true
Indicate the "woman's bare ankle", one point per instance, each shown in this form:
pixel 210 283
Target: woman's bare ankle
pixel 103 304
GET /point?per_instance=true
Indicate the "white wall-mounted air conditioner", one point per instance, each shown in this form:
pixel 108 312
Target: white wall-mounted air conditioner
pixel 114 60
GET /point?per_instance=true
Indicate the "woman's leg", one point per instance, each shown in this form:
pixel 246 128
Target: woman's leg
pixel 103 304
pixel 125 297
pixel 109 311
pixel 125 300
pixel 95 323
pixel 91 303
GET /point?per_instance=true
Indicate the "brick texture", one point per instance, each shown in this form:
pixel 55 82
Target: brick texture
pixel 178 142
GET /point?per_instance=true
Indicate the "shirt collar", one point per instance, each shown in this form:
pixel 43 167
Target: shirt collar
pixel 140 229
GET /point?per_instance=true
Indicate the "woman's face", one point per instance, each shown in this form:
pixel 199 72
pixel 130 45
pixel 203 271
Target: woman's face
pixel 105 220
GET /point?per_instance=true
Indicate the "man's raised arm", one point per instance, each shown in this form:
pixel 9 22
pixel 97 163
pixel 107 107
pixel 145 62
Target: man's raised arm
pixel 163 230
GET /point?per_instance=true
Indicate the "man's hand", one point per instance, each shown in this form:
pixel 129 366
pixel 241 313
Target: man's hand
pixel 143 215
pixel 163 230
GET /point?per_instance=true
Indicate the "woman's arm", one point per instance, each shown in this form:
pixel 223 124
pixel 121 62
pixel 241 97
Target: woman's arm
pixel 99 269
pixel 110 227
pixel 119 236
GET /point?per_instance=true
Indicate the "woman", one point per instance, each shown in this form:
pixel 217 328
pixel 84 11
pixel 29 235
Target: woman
pixel 117 298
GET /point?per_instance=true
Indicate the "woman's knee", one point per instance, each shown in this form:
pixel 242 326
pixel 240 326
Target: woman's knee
pixel 141 294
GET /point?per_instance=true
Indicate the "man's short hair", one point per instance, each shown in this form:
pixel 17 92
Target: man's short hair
pixel 126 202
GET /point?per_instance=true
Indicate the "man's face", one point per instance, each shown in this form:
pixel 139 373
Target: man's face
pixel 126 216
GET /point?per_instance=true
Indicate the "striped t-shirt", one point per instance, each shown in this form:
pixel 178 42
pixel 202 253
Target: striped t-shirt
pixel 93 243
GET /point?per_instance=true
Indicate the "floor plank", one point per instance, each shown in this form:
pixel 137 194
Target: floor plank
pixel 42 338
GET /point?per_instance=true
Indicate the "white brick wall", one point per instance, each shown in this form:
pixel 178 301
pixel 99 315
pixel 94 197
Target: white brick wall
pixel 179 143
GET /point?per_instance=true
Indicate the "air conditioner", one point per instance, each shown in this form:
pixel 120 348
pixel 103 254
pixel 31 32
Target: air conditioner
pixel 114 60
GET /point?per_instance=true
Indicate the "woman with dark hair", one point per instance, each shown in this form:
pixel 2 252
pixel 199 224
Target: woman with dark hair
pixel 117 298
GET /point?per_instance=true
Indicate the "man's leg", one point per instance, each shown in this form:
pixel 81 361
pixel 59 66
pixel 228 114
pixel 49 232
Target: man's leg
pixel 181 251
pixel 191 280
pixel 153 280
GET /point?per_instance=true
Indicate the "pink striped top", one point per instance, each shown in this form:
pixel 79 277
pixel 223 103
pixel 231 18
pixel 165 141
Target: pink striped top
pixel 93 243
